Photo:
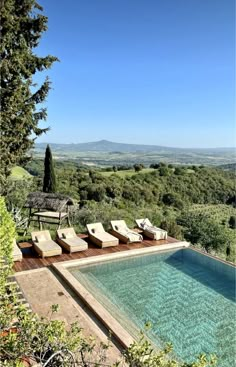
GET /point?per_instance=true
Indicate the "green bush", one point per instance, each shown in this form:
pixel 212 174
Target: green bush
pixel 173 229
pixel 164 171
pixel 7 235
pixel 138 167
pixel 232 222
pixel 7 232
pixel 200 229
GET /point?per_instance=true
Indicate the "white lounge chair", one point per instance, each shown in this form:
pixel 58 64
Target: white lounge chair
pixel 44 245
pixel 100 237
pixel 151 231
pixel 17 254
pixel 68 239
pixel 121 231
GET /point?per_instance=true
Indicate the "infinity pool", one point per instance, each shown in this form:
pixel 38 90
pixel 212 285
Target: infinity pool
pixel 188 298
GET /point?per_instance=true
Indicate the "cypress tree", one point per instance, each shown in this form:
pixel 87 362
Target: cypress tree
pixel 49 181
pixel 22 25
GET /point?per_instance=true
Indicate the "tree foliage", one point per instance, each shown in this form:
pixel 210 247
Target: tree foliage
pixel 206 186
pixel 200 229
pixel 49 181
pixel 22 25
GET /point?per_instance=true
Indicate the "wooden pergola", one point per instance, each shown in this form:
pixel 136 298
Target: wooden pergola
pixel 50 208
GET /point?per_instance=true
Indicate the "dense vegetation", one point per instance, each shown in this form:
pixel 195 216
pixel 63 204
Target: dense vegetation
pixel 192 203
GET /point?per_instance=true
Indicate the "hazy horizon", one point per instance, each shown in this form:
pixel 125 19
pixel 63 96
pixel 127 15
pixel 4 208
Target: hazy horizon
pixel 128 143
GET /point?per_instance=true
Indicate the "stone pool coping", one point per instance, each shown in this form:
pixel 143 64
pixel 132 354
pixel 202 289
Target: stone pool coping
pixel 123 337
pixel 214 257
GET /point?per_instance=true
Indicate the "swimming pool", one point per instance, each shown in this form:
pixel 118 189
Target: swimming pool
pixel 188 298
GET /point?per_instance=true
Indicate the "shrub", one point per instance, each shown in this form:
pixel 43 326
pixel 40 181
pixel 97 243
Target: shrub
pixel 7 235
pixel 232 222
pixel 17 192
pixel 155 165
pixel 173 200
pixel 179 171
pixel 202 230
pixel 163 171
pixel 138 167
pixel 7 232
pixel 96 192
pixel 173 229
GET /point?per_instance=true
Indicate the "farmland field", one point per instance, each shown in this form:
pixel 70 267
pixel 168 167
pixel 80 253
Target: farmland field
pixel 218 212
pixel 105 153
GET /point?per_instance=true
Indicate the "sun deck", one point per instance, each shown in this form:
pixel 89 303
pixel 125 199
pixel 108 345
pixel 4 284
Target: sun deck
pixel 32 261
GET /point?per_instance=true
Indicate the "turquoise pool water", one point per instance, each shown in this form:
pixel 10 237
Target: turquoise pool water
pixel 188 297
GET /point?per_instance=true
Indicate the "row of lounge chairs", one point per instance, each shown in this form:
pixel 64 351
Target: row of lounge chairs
pixel 67 238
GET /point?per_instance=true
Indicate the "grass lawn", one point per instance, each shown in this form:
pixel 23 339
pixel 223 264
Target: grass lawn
pixel 18 173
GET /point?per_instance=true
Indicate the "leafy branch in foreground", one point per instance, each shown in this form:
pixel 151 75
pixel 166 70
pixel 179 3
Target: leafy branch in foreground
pixel 50 343
pixel 142 354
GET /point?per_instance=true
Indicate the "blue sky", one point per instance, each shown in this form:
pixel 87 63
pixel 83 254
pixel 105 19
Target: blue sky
pixel 141 71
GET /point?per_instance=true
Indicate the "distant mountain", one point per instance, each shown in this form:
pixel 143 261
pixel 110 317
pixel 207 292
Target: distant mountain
pixel 108 153
pixel 109 146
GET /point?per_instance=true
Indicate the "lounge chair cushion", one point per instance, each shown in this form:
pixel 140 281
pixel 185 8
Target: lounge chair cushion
pixel 131 235
pixel 40 238
pixel 48 245
pixel 99 236
pixel 145 222
pixel 105 237
pixel 148 228
pixel 121 228
pixel 75 241
pixel 95 228
pixel 159 234
pixel 67 235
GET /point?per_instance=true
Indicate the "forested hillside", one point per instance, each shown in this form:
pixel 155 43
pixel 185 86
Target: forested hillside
pixel 195 203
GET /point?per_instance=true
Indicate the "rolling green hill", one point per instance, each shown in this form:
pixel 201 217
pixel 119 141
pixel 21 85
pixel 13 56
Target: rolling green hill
pixel 19 173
